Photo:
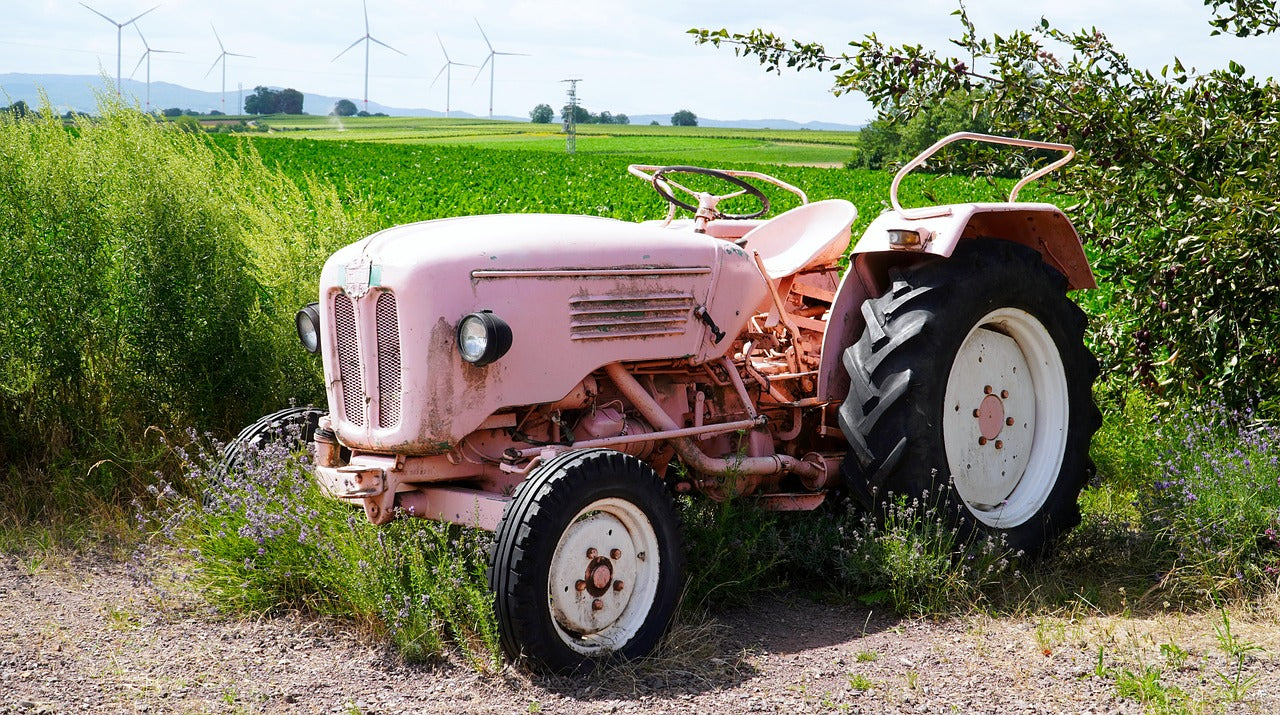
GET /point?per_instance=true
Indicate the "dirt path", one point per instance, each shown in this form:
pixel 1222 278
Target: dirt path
pixel 81 638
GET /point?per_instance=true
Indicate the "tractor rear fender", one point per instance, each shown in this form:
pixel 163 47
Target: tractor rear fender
pixel 888 243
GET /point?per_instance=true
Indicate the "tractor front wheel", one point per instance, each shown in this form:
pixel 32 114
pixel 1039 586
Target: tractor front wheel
pixel 971 383
pixel 587 562
pixel 293 423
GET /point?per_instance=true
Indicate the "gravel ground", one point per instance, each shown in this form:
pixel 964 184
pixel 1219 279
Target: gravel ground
pixel 79 637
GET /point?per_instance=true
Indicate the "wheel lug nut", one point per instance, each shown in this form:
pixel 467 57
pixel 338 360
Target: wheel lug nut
pixel 999 444
pixel 982 441
pixel 592 553
pixel 597 605
pixel 615 554
pixel 1004 394
pixel 618 586
pixel 975 413
pixel 580 585
pixel 986 390
pixel 1009 422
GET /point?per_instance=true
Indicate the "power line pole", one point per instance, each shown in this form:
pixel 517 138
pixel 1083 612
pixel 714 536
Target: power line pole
pixel 571 121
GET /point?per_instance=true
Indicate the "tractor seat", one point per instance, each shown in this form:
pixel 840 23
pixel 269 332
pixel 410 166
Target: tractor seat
pixel 807 235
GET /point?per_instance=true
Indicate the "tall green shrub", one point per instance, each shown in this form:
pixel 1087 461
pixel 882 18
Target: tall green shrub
pixel 1175 185
pixel 148 278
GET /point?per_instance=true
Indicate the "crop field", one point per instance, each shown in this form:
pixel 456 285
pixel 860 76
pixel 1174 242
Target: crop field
pixel 413 182
pixel 660 144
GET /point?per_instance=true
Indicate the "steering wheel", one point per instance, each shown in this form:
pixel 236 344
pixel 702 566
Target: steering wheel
pixel 662 184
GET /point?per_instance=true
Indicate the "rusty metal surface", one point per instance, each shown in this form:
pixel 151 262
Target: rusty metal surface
pixel 465 507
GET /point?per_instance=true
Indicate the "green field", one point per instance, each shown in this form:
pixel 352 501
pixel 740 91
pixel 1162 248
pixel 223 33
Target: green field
pixel 400 183
pixel 661 144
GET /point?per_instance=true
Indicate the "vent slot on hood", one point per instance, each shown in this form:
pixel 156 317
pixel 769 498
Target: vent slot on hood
pixel 614 317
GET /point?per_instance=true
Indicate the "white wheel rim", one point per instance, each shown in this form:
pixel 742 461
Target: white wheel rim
pixel 1005 416
pixel 604 576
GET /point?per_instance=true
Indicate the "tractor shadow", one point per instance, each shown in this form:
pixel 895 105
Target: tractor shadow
pixel 707 653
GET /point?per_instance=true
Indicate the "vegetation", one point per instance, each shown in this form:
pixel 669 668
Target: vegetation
pixel 684 118
pixel 393 180
pixel 17 110
pixel 582 116
pixel 344 108
pixel 891 141
pixel 265 100
pixel 542 114
pixel 267 537
pixel 148 279
pixel 1175 187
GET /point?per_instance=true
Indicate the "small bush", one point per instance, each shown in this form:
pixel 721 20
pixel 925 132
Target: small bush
pixel 1215 504
pixel 907 557
pixel 264 538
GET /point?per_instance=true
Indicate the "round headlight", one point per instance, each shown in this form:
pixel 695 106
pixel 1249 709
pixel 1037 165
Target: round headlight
pixel 308 323
pixel 483 337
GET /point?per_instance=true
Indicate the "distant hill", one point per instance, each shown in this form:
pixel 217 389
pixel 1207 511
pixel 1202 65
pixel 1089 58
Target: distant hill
pixel 78 93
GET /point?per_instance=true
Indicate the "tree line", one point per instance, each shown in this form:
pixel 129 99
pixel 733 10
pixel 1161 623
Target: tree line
pixel 543 114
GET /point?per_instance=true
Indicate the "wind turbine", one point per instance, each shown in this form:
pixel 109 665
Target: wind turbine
pixel 147 56
pixel 447 71
pixel 119 29
pixel 366 39
pixel 491 62
pixel 223 59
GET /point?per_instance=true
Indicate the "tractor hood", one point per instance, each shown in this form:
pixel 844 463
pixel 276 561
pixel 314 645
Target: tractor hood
pixel 578 293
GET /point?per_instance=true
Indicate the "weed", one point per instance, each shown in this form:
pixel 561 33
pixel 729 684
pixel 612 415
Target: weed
pixel 1215 508
pixel 121 619
pixel 860 682
pixel 867 656
pixel 1236 685
pixel 1174 655
pixel 264 537
pixel 1145 687
pixel 1048 634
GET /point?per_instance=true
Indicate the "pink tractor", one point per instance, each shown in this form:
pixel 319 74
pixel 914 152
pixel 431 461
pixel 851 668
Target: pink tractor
pixel 557 379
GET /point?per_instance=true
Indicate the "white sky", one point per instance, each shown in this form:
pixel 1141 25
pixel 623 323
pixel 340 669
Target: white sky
pixel 633 57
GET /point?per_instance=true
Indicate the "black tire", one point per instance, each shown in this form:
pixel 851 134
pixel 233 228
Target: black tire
pixel 291 422
pixel 567 512
pixel 919 416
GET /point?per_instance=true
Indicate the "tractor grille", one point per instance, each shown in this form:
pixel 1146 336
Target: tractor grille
pixel 612 317
pixel 383 377
pixel 388 361
pixel 344 323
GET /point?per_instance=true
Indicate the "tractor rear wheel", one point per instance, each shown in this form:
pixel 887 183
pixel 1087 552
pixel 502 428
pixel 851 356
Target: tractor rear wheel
pixel 587 562
pixel 971 384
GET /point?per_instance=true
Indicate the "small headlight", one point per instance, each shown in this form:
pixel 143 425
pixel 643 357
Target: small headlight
pixel 483 337
pixel 308 323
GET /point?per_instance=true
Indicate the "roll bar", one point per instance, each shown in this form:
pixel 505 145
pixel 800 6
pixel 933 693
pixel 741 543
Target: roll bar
pixel 990 139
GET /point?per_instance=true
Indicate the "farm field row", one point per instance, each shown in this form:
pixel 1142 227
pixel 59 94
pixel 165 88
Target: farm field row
pixel 702 144
pixel 407 182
